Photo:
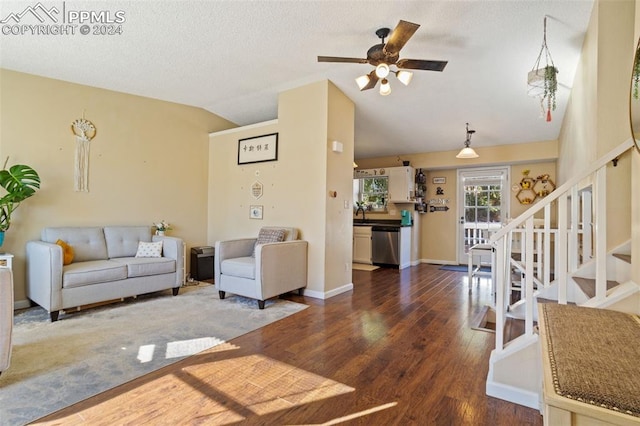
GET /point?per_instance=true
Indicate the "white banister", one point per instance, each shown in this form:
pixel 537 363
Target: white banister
pixel 528 289
pixel 561 266
pixel 573 246
pixel 562 189
pixel 587 226
pixel 546 254
pixel 525 248
pixel 601 233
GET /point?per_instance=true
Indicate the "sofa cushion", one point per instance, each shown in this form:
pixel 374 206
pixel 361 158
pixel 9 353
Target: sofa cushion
pixel 122 241
pixel 269 235
pixel 67 252
pixel 92 272
pixel 87 241
pixel 153 249
pixel 244 267
pixel 145 266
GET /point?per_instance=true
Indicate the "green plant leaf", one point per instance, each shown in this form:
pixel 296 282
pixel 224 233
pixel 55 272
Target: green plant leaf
pixel 20 182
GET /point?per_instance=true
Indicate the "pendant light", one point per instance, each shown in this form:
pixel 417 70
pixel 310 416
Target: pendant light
pixel 467 151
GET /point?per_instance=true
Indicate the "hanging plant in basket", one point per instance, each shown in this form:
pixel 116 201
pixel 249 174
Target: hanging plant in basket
pixel 550 89
pixel 542 79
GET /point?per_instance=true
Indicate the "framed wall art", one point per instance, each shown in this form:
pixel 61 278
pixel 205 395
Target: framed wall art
pixel 258 149
pixel 437 180
pixel 255 212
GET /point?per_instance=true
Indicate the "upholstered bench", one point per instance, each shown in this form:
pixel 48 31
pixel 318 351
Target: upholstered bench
pixel 591 365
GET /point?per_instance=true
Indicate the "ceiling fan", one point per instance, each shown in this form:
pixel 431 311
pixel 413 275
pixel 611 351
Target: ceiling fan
pixel 384 55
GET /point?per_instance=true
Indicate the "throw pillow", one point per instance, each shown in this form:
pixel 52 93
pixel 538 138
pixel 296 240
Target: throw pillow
pixel 67 252
pixel 268 235
pixel 149 249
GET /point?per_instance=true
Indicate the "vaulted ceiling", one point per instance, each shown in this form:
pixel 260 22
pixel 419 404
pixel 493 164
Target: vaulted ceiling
pixel 234 57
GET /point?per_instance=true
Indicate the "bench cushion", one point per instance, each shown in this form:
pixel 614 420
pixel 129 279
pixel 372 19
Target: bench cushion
pixel 594 355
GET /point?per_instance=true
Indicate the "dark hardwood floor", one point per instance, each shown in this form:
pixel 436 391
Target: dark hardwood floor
pixel 397 350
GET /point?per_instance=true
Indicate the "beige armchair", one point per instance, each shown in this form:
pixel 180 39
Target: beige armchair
pixel 261 270
pixel 6 317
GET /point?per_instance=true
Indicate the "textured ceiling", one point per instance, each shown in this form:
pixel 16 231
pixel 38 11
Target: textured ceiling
pixel 234 57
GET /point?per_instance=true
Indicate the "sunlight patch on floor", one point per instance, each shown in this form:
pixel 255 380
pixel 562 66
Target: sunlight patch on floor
pixel 145 353
pixel 264 385
pixel 182 348
pixel 362 413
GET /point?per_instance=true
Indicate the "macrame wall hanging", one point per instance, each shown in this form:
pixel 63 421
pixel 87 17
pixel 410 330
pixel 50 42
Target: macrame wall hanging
pixel 84 131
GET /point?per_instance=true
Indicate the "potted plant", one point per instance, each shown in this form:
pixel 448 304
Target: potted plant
pixel 162 227
pixel 550 88
pixel 20 182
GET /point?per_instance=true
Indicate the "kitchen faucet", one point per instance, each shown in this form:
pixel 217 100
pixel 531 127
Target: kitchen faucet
pixel 360 208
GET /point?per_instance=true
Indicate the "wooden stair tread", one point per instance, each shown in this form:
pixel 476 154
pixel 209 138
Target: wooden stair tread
pixel 543 300
pixel 588 285
pixel 625 257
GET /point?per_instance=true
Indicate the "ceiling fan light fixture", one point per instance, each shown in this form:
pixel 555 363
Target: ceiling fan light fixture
pixel 385 87
pixel 362 81
pixel 404 76
pixel 382 70
pixel 467 151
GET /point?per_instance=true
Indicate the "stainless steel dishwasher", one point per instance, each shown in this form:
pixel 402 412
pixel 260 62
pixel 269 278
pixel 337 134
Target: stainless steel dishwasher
pixel 385 245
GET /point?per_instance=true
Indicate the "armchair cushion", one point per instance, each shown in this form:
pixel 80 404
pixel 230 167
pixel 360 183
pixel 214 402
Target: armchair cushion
pixel 269 235
pixel 244 267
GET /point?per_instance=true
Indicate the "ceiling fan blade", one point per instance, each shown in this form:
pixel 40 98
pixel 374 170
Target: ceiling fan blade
pixel 399 37
pixel 373 80
pixel 340 59
pixel 421 64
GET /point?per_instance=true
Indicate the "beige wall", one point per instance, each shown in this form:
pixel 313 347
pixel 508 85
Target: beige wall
pixel 148 160
pixel 438 230
pixel 597 117
pixel 339 173
pixel 296 187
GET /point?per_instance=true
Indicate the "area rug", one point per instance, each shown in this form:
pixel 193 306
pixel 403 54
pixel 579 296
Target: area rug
pixel 54 365
pixel 462 268
pixel 364 267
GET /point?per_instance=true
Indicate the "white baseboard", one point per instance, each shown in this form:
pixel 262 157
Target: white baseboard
pixel 514 395
pixel 21 304
pixel 438 262
pixel 328 294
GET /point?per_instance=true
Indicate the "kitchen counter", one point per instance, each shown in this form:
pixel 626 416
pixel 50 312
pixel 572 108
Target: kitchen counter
pixel 382 222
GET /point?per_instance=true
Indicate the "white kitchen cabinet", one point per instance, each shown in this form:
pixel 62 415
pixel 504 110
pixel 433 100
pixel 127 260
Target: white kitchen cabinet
pixel 362 244
pixel 401 184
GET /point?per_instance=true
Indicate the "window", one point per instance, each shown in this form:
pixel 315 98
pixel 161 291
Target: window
pixel 482 203
pixel 371 192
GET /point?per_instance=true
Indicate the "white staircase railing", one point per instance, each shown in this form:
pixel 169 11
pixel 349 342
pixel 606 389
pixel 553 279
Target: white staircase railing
pixel 541 254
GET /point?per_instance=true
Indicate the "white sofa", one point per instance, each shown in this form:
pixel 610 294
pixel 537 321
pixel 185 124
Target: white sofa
pixel 272 269
pixel 104 266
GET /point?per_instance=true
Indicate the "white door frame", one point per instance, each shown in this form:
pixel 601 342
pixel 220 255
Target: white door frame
pixel 503 173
